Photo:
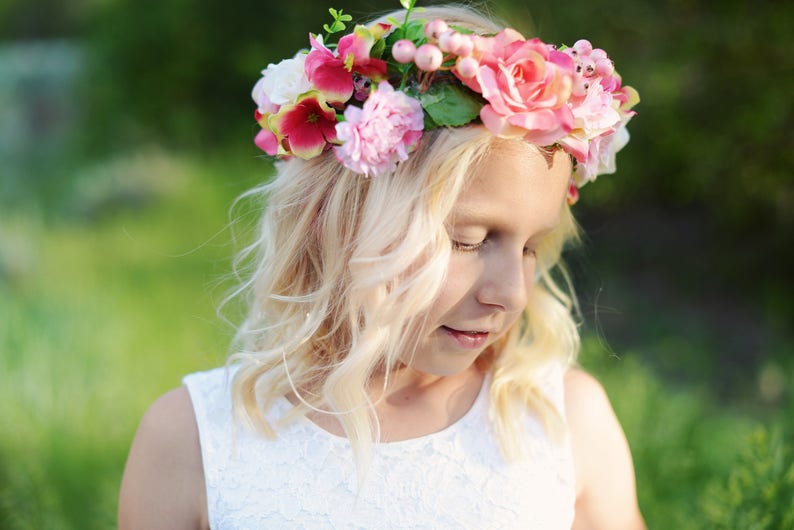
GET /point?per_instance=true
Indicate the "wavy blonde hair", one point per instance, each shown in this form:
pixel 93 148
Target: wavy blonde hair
pixel 343 265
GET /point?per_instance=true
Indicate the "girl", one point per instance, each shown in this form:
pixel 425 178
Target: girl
pixel 408 356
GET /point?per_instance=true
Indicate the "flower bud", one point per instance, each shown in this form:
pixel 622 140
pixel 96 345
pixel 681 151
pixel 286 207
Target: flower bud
pixel 428 57
pixel 466 67
pixel 403 51
pixel 435 28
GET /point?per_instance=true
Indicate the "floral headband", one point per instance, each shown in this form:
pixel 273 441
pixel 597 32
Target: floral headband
pixel 371 96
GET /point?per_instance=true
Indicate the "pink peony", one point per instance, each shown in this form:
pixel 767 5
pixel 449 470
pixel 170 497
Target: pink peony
pixel 527 86
pixel 381 134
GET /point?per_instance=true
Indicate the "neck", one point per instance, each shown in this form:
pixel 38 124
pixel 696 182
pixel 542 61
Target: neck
pixel 415 404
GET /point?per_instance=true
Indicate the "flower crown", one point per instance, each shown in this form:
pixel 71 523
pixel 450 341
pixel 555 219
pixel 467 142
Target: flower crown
pixel 370 96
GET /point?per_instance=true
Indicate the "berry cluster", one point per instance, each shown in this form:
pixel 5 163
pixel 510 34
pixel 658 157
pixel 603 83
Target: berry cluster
pixel 590 64
pixel 442 40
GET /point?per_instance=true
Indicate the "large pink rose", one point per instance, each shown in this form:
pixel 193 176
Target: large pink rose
pixel 527 85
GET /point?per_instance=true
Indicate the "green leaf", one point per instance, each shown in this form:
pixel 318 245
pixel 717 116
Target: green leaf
pixel 462 30
pixel 333 12
pixel 415 31
pixel 429 124
pixel 377 49
pixel 407 4
pixel 346 18
pixel 451 104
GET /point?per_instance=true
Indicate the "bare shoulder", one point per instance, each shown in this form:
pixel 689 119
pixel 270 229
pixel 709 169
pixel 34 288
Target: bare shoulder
pixel 163 483
pixel 606 492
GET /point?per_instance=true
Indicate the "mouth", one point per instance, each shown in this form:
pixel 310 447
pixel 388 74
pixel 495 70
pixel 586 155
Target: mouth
pixel 468 339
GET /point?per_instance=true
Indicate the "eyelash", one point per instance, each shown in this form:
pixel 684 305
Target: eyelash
pixel 473 247
pixel 467 247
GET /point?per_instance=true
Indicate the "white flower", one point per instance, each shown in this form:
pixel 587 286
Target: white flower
pixel 281 83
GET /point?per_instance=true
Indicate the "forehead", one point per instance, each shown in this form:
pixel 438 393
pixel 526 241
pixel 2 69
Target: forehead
pixel 516 183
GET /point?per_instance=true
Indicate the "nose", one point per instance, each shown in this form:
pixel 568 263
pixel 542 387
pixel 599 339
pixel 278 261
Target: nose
pixel 506 282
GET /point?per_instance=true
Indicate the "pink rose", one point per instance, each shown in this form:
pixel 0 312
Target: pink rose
pixel 381 133
pixel 527 86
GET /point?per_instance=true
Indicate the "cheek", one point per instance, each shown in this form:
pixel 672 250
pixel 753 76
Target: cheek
pixel 458 284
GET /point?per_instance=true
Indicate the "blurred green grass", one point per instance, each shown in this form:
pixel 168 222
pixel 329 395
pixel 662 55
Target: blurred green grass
pixel 99 315
pixel 106 305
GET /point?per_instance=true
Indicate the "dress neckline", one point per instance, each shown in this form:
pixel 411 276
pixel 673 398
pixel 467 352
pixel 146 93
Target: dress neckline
pixel 283 406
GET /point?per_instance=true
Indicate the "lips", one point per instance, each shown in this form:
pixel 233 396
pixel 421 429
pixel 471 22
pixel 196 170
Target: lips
pixel 467 339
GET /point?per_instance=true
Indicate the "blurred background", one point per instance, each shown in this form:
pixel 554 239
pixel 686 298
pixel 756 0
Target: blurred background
pixel 126 131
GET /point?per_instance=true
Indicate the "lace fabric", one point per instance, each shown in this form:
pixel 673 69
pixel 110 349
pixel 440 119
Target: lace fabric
pixel 306 478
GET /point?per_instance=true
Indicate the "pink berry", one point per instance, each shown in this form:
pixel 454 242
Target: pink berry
pixel 466 46
pixel 450 41
pixel 403 51
pixel 428 57
pixel 597 54
pixel 588 66
pixel 467 67
pixel 583 47
pixel 604 67
pixel 435 28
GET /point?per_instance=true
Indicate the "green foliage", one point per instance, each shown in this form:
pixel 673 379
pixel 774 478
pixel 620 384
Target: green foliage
pixel 450 104
pixel 339 21
pixel 759 492
pixel 99 314
pixel 671 432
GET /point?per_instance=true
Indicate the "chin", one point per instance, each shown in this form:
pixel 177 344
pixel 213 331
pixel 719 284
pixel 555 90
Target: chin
pixel 445 367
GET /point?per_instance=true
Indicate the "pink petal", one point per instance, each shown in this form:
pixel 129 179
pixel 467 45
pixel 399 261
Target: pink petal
pixel 267 142
pixel 333 81
pixel 358 43
pixel 498 124
pixel 306 142
pixel 576 146
pixel 491 90
pixel 375 69
pixel 544 126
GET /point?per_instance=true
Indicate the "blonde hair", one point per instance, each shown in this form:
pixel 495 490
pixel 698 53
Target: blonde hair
pixel 343 265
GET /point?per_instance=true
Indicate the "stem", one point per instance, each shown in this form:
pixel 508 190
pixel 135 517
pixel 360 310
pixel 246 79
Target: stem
pixel 407 14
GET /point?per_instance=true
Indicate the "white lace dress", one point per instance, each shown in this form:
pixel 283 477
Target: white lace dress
pixel 455 478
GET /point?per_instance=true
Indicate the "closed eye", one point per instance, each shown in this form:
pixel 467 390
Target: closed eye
pixel 467 247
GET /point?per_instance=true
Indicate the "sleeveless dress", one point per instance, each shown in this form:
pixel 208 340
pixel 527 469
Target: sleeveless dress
pixel 306 478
